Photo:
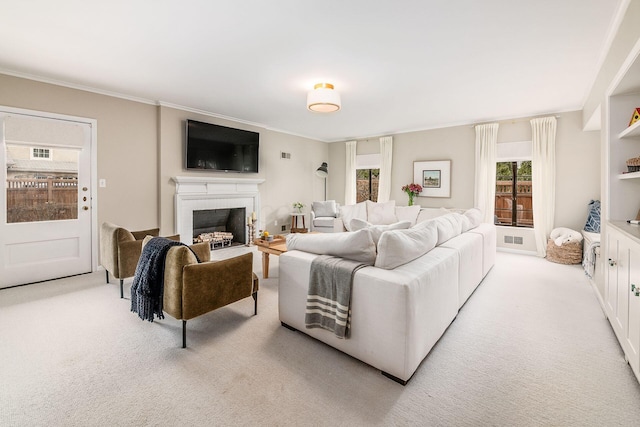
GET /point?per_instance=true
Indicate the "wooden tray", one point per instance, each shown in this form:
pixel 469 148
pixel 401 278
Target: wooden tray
pixel 276 240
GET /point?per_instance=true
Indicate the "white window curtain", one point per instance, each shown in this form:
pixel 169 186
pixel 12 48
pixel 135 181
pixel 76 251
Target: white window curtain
pixel 384 179
pixel 350 174
pixel 543 177
pixel 486 155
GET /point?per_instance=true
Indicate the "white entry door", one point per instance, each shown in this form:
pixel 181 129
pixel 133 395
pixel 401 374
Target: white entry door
pixel 45 210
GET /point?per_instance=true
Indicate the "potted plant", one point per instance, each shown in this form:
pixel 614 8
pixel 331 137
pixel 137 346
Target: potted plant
pixel 298 206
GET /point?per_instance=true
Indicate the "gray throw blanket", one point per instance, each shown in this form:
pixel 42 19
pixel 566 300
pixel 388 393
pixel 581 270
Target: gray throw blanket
pixel 147 290
pixel 329 295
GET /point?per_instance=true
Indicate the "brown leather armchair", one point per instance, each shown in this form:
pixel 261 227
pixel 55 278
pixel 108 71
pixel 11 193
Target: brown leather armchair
pixel 192 289
pixel 120 250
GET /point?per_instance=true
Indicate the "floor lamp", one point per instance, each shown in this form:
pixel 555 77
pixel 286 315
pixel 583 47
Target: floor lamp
pixel 322 172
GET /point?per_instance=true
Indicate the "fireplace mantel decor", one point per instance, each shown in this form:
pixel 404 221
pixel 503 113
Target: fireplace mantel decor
pixel 196 193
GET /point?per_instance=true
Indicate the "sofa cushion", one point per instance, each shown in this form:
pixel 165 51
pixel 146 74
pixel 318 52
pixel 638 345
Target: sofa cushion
pixel 408 213
pixel 325 221
pixel 381 213
pixel 377 230
pixel 326 208
pixel 348 212
pixel 475 217
pixel 449 226
pixel 431 213
pixel 357 246
pixel 398 247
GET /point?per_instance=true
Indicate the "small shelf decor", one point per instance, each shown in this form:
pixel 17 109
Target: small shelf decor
pixel 412 190
pixel 633 164
pixel 635 116
pixel 298 207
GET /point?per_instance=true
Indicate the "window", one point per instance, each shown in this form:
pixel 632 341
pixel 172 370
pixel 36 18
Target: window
pixel 367 173
pixel 513 194
pixel 41 153
pixel 367 184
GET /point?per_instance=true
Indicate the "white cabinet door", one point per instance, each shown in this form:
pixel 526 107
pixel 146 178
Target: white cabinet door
pixel 611 275
pixel 633 328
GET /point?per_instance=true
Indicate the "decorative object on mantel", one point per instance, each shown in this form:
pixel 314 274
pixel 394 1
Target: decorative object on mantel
pixel 251 225
pixel 298 206
pixel 412 190
pixel 633 164
pixel 635 116
pixel 434 176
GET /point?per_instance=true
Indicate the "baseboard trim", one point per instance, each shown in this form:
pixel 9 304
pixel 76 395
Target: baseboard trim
pixel 516 251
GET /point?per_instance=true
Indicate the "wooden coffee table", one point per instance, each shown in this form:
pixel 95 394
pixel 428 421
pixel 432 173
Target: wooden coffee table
pixel 277 246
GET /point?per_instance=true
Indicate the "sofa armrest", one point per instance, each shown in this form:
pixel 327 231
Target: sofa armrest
pixel 211 285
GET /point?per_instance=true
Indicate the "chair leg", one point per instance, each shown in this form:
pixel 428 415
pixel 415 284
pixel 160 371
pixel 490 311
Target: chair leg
pixel 184 334
pixel 121 288
pixel 255 303
pixel 107 271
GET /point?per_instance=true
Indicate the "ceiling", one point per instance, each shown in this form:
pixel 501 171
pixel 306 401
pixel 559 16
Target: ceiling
pixel 398 65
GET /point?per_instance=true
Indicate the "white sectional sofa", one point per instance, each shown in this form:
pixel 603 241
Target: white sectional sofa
pixel 403 303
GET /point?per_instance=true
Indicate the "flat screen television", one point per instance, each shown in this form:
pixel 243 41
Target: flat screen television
pixel 219 148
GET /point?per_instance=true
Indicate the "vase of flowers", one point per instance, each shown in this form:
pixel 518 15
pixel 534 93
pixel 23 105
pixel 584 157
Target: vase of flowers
pixel 298 206
pixel 412 191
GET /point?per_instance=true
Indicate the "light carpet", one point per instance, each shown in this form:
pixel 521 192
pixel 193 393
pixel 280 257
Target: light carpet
pixel 530 348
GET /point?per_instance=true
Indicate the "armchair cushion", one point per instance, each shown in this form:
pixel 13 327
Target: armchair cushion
pixel 327 208
pixel 324 221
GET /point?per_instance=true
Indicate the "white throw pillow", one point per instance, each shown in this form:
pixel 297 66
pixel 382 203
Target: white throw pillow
pixel 359 224
pixel 449 226
pixel 377 230
pixel 431 213
pixel 398 247
pixel 464 222
pixel 381 213
pixel 408 213
pixel 357 246
pixel 327 208
pixel 348 212
pixel 475 217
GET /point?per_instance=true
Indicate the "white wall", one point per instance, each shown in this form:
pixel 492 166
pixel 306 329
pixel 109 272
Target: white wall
pixel 577 167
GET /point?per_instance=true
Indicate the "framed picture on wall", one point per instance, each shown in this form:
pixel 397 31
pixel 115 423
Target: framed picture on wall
pixel 434 176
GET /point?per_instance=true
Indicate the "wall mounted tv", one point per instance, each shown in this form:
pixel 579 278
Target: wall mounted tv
pixel 219 148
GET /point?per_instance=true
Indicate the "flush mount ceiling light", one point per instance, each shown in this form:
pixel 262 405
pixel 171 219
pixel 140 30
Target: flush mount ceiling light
pixel 323 98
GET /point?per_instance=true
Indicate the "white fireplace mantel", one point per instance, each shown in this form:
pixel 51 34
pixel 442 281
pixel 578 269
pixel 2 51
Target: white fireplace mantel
pixel 209 185
pixel 196 193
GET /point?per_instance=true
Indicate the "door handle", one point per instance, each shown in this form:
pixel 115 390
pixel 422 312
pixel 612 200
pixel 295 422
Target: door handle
pixel 612 262
pixel 85 208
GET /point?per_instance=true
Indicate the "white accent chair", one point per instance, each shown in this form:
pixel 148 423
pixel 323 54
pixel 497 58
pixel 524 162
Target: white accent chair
pixel 325 217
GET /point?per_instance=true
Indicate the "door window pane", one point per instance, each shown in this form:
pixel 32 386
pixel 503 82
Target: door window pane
pixel 41 189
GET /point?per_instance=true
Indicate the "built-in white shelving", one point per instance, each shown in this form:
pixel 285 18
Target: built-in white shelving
pixel 632 131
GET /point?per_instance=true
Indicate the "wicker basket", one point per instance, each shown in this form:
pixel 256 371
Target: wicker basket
pixel 633 164
pixel 568 253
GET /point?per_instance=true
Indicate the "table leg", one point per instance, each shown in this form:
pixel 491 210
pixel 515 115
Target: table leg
pixel 265 265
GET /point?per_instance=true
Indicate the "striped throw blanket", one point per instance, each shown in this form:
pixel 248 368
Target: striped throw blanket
pixel 329 296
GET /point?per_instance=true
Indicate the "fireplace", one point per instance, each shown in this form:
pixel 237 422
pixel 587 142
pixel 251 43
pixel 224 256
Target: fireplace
pixel 220 227
pixel 195 194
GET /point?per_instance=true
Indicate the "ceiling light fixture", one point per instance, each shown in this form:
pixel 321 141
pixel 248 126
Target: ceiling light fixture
pixel 323 98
